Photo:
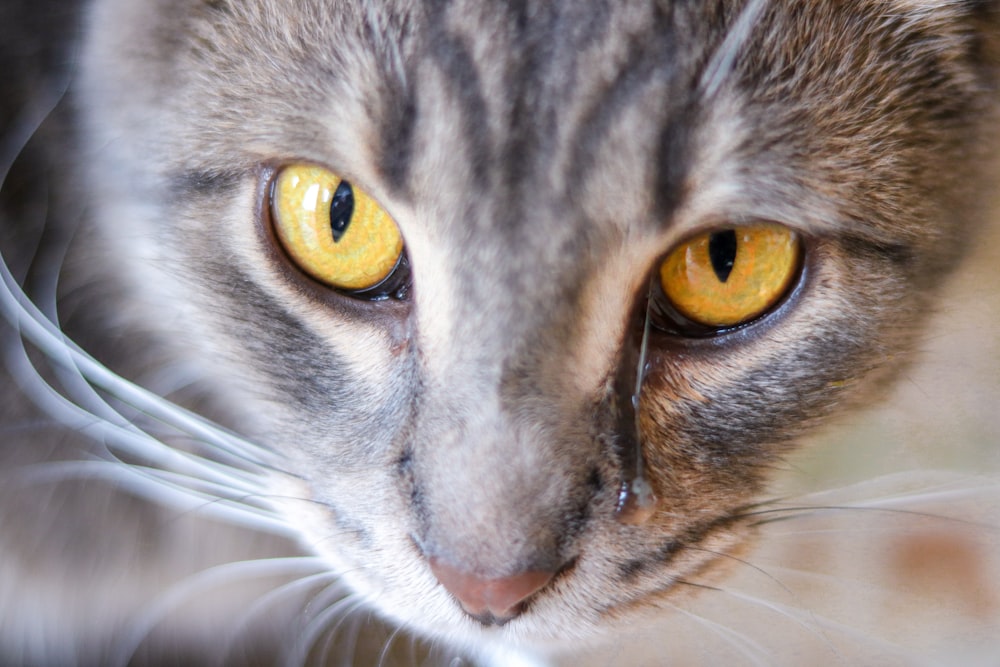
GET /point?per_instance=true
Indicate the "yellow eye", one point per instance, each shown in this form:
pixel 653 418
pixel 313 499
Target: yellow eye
pixel 728 277
pixel 333 231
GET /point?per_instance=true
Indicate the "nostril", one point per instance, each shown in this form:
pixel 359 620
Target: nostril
pixel 490 600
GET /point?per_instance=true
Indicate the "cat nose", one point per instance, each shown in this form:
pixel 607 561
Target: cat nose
pixel 490 601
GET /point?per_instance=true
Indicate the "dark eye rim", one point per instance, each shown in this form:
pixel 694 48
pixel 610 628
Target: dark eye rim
pixel 395 287
pixel 668 321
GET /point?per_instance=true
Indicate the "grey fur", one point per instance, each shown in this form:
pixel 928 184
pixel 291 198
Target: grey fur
pixel 539 158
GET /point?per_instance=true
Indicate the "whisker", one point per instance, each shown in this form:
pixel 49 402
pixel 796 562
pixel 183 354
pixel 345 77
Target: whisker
pixel 344 606
pixel 906 485
pixel 815 624
pixel 383 656
pixel 128 439
pixel 724 58
pixel 810 625
pixel 233 572
pixel 290 589
pixel 841 582
pixel 982 492
pixel 45 297
pixel 746 646
pixel 737 559
pixel 32 325
pixel 147 483
pixel 792 513
pixel 33 114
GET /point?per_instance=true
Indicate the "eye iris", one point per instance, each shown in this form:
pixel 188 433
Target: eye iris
pixel 333 231
pixel 725 278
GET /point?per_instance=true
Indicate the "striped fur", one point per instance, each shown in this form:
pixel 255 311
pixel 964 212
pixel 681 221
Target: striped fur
pixel 539 158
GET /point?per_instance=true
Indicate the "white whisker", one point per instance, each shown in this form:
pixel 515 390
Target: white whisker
pixel 384 654
pixel 194 377
pixel 817 625
pixel 723 60
pixel 228 573
pixel 128 439
pixel 346 603
pixel 36 110
pixel 746 646
pixel 152 484
pixel 291 589
pixel 33 326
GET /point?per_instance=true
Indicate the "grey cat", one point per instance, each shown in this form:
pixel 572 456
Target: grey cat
pixel 493 320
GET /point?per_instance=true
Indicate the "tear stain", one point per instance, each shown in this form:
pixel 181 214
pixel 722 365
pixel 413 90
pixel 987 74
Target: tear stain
pixel 636 501
pixel 946 564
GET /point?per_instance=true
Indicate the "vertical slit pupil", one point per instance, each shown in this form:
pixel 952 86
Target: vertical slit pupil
pixel 722 253
pixel 341 210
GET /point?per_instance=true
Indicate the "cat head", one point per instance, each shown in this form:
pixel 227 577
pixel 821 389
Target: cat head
pixel 545 164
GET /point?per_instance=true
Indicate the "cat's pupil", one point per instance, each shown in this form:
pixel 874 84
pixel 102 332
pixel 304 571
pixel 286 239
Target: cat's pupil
pixel 722 253
pixel 341 210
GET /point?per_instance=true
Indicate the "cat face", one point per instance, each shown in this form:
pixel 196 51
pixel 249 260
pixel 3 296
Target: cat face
pixel 541 161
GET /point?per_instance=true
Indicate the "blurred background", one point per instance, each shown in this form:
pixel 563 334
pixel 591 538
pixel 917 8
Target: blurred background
pixel 944 413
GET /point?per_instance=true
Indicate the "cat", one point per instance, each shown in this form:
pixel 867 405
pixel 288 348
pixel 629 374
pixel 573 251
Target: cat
pixel 493 325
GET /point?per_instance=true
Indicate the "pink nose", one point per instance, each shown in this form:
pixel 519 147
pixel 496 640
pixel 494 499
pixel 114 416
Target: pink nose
pixel 491 601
